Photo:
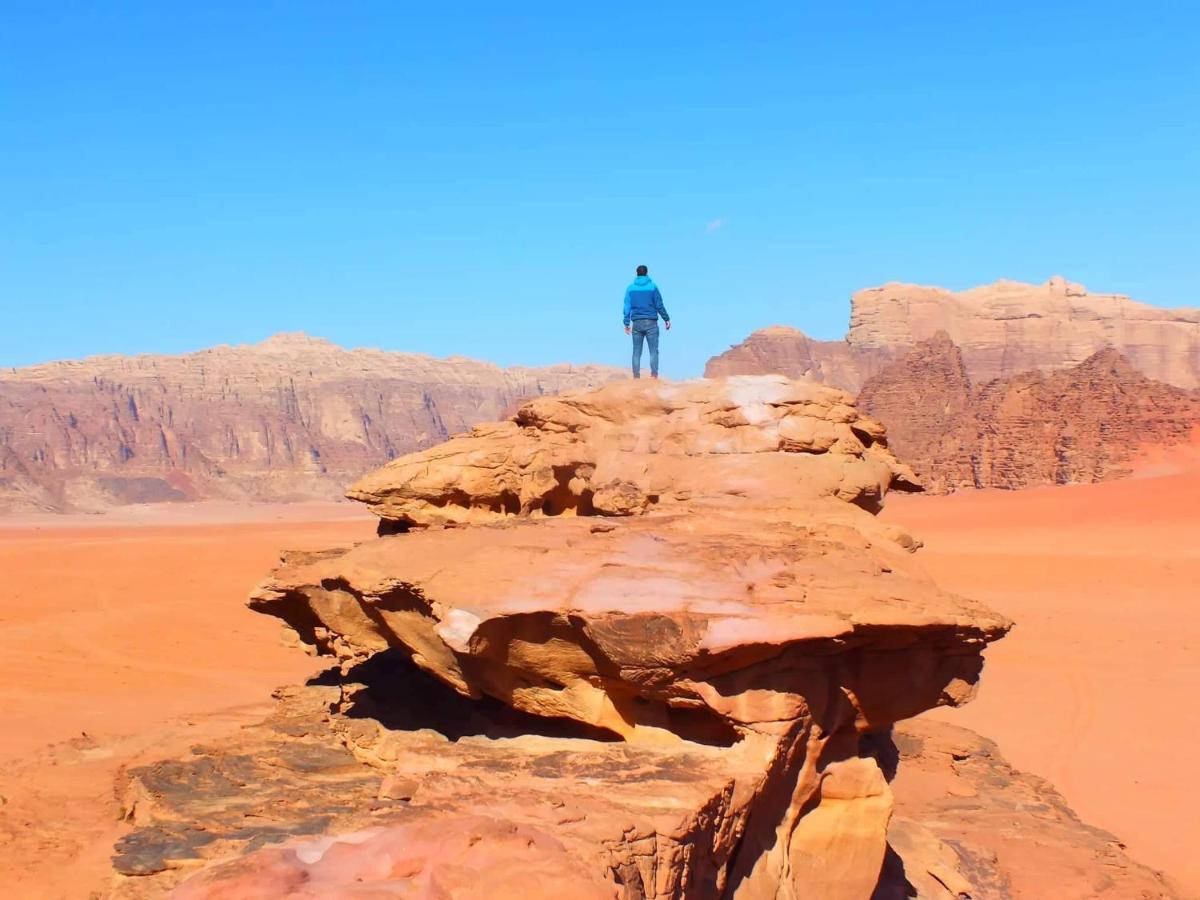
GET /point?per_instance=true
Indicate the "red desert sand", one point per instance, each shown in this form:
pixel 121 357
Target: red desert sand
pixel 127 635
pixel 1095 689
pixel 105 666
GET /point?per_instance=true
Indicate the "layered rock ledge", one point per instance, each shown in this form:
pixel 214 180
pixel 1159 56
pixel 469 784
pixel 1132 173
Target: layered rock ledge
pixel 762 441
pixel 635 643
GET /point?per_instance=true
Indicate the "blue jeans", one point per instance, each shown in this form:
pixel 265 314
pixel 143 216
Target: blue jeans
pixel 645 330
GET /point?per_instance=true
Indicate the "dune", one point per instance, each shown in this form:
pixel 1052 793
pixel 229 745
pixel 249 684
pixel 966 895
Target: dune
pixel 1095 687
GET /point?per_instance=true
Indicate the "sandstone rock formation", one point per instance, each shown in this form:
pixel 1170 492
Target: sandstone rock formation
pixel 291 418
pixel 1007 328
pixel 1003 329
pixel 676 604
pixel 782 350
pixel 473 800
pixel 624 449
pixel 967 824
pixel 1076 425
pixel 1006 385
pixel 642 642
pixel 926 399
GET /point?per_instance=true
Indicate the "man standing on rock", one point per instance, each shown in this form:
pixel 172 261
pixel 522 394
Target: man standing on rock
pixel 643 306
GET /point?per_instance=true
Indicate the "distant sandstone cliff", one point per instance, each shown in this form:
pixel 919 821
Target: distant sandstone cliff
pixel 1076 425
pixel 782 350
pixel 293 417
pixel 1003 329
pixel 1006 385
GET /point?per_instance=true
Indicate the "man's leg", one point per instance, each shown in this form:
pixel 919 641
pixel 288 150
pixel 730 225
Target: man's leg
pixel 652 337
pixel 638 337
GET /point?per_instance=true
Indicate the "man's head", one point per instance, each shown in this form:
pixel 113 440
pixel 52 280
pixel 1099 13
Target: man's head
pixel 642 270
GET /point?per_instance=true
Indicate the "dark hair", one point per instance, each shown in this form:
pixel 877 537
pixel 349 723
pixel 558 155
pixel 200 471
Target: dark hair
pixel 642 270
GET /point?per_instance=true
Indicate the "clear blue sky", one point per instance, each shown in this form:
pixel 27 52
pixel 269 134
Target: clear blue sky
pixel 481 178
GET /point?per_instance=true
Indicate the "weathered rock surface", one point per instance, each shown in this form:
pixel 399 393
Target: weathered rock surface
pixel 684 688
pixel 684 585
pixel 744 443
pixel 431 799
pixel 1076 425
pixel 385 780
pixel 291 418
pixel 1003 329
pixel 967 824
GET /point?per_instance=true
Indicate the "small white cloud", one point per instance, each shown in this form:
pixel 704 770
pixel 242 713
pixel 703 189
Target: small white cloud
pixel 714 225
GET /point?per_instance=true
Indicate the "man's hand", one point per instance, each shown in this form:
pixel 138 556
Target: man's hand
pixel 628 330
pixel 668 324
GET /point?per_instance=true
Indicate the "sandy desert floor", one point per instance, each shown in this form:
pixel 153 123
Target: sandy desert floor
pixel 1096 687
pixel 127 640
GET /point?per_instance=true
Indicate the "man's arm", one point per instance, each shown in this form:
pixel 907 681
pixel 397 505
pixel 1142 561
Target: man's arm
pixel 662 310
pixel 628 308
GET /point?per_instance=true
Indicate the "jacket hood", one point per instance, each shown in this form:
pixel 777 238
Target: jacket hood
pixel 643 280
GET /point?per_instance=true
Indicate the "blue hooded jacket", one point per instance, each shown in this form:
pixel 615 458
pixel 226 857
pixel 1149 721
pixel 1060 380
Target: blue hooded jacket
pixel 643 301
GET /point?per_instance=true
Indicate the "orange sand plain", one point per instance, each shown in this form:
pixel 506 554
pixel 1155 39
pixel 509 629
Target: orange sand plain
pixel 123 642
pixel 126 639
pixel 1097 687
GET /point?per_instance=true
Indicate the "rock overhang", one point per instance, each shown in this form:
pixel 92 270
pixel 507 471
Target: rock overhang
pixel 693 570
pixel 738 540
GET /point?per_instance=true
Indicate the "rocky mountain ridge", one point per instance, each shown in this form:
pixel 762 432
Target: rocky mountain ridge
pixel 1019 385
pixel 1004 329
pixel 293 417
pixel 1071 426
